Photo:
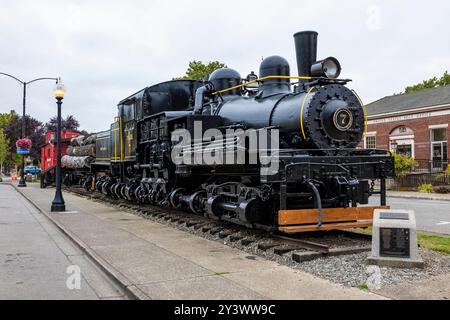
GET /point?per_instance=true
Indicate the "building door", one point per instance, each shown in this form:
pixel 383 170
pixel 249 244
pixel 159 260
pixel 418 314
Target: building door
pixel 439 158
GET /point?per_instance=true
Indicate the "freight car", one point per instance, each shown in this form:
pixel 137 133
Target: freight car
pixel 278 152
pixel 48 154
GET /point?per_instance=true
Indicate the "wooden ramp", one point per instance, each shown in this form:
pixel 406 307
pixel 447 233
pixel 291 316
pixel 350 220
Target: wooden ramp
pixel 306 220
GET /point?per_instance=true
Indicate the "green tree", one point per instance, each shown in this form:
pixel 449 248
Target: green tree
pixel 5 118
pixel 3 150
pixel 430 83
pixel 198 70
pixel 11 124
pixel 34 130
pixel 444 80
pixel 68 124
pixel 11 157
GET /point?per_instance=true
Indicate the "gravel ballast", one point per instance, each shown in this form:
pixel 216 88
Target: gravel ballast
pixel 349 270
pixel 352 270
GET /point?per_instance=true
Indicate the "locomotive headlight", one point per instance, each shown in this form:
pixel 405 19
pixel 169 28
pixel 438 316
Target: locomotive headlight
pixel 329 68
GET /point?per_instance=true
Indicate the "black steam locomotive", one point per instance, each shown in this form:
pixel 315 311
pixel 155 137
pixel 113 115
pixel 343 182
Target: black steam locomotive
pixel 260 152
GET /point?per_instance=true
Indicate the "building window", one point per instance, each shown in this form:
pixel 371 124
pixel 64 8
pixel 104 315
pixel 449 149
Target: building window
pixel 402 146
pixel 439 135
pixel 371 142
pixel 438 148
pixel 405 149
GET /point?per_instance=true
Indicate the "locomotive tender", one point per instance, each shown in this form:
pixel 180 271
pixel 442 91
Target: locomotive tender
pixel 311 130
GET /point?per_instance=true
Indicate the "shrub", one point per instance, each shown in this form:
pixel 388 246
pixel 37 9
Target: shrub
pixel 447 171
pixel 426 188
pixel 442 189
pixel 403 164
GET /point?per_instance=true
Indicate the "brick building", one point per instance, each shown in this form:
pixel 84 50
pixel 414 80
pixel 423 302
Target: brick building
pixel 415 123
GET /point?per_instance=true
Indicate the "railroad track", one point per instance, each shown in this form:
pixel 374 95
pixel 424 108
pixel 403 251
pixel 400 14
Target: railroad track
pixel 300 248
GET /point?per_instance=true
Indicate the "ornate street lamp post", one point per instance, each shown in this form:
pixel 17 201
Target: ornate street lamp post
pixel 24 84
pixel 58 204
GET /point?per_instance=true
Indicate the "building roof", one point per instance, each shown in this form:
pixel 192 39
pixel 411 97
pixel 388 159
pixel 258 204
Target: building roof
pixel 404 102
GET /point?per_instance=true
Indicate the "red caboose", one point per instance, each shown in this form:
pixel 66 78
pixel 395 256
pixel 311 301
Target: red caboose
pixel 48 151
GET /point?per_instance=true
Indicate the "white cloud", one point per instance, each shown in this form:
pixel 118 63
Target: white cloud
pixel 106 50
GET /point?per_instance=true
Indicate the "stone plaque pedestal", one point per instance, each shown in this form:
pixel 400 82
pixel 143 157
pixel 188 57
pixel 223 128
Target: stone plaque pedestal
pixel 394 239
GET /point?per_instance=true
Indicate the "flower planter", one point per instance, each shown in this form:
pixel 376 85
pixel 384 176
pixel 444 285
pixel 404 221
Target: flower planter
pixel 23 146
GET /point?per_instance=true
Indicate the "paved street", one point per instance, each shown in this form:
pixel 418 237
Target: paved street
pixel 431 215
pixel 38 262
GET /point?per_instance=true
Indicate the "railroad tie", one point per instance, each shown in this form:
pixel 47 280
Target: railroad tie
pixel 267 246
pixel 247 241
pixel 282 250
pixel 235 237
pixel 306 256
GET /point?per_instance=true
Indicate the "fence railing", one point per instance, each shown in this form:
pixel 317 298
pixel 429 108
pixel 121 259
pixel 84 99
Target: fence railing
pixel 415 180
pixel 430 166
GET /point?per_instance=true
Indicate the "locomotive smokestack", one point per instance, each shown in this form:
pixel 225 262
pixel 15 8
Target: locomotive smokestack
pixel 306 51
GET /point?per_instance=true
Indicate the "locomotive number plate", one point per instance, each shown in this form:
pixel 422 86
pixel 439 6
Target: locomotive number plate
pixel 343 119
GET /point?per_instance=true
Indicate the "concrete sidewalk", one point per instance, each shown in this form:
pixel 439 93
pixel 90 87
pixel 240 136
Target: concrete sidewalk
pixel 418 195
pixel 154 261
pixel 36 260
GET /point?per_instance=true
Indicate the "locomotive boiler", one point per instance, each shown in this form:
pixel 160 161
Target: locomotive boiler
pixel 275 152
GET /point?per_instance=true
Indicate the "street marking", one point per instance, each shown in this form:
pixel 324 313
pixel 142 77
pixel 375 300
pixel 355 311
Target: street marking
pixel 442 223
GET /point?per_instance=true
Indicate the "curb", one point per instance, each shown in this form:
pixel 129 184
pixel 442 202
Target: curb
pixel 417 197
pixel 130 290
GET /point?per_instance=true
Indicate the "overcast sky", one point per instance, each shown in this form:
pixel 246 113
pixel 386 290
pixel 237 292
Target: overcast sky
pixel 106 50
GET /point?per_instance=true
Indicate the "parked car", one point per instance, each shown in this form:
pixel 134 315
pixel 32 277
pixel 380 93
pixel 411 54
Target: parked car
pixel 32 170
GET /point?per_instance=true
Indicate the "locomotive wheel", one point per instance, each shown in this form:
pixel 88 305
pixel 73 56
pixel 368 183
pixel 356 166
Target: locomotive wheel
pixel 140 194
pixel 87 184
pixel 174 198
pixel 160 195
pixel 122 191
pixel 152 196
pixel 104 186
pixel 195 202
pixel 129 192
pixel 99 185
pixel 114 190
pixel 119 190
